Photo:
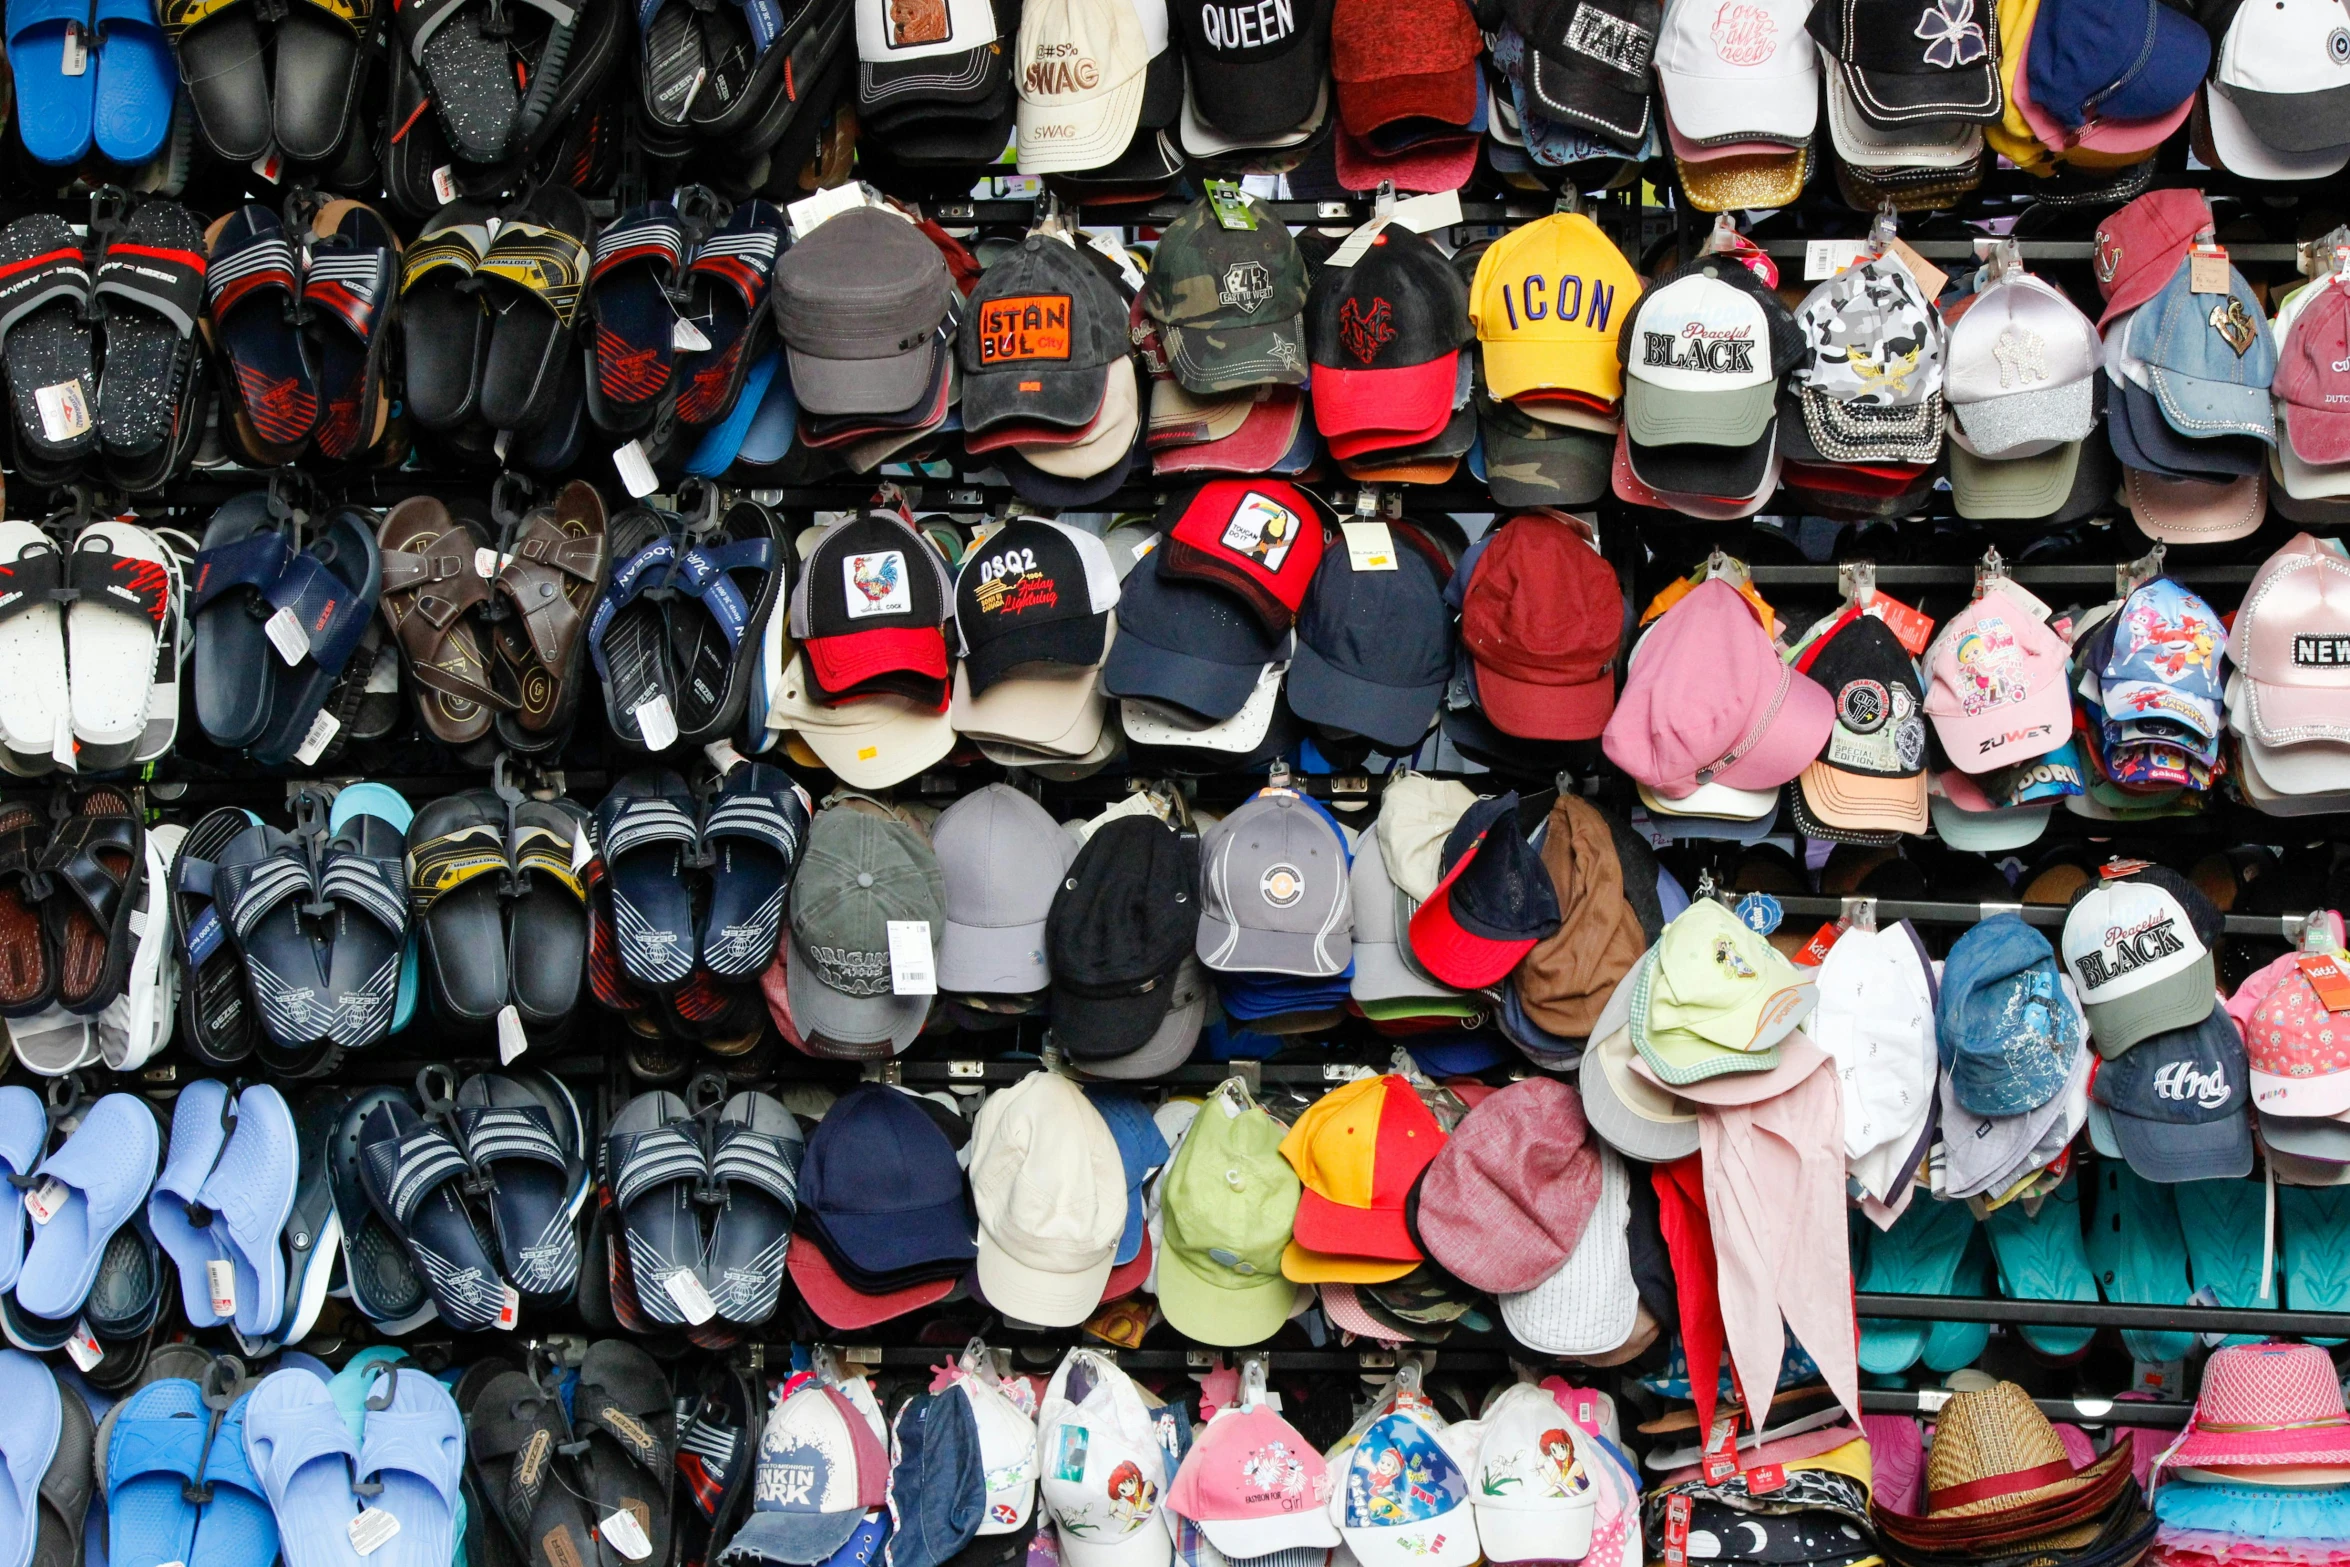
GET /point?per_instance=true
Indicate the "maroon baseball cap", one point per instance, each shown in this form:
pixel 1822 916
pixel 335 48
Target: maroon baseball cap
pixel 1404 60
pixel 2140 246
pixel 1543 620
pixel 1259 538
pixel 1508 1195
pixel 2313 378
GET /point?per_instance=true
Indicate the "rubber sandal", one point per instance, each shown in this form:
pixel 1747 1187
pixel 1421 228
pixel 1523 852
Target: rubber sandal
pixel 28 957
pixel 149 279
pixel 676 63
pixel 382 800
pixel 647 837
pixel 182 1223
pixel 34 695
pixel 219 52
pixel 252 289
pixel 362 876
pixel 313 1237
pixel 657 1166
pixel 457 873
pixel 2042 1257
pixel 1918 1256
pixel 97 863
pixel 27 1447
pixel 137 1028
pixel 753 837
pixel 728 581
pixel 2138 1255
pixel 303 1457
pixel 532 276
pixel 755 1151
pixel 69 1486
pixel 551 570
pixel 320 55
pixel 332 588
pixel 126 1306
pixel 563 127
pixel 45 336
pixel 154 1455
pixel 726 287
pixel 263 880
pixel 2313 1242
pixel 515 1434
pixel 247 547
pixel 412 1444
pixel 717 1453
pixel 2225 1225
pixel 608 982
pixel 547 919
pixel 723 441
pixel 121 583
pixel 463 52
pixel 1951 1345
pixel 414 1175
pixel 628 638
pixel 635 265
pixel 24 1134
pixel 382 1279
pixel 54 111
pixel 746 66
pixel 250 1193
pixel 431 587
pixel 557 442
pixel 135 82
pixel 347 296
pixel 773 428
pixel 528 1167
pixel 214 1018
pixel 105 1168
pixel 172 649
pixel 445 325
pixel 624 1412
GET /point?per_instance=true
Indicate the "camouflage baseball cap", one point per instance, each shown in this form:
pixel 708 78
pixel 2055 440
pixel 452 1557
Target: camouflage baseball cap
pixel 1229 301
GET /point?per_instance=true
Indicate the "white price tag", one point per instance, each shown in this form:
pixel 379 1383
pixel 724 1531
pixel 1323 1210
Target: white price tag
pixel 583 851
pixel 220 1281
pixel 1824 258
pixel 723 756
pixel 1369 546
pixel 687 338
pixel 1116 255
pixel 692 1300
pixel 384 675
pixel 636 470
pixel 806 213
pixel 657 724
pixel 44 1200
pixel 1350 250
pixel 624 1534
pixel 1427 214
pixel 65 410
pixel 485 563
pixel 371 1529
pixel 512 1041
pixel 912 971
pixel 287 634
pixel 61 742
pixel 510 1310
pixel 76 59
pixel 82 1349
pixel 322 732
pixel 270 165
pixel 444 183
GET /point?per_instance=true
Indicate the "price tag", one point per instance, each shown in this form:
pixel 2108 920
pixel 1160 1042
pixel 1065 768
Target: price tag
pixel 1911 629
pixel 82 1349
pixel 220 1280
pixel 1815 951
pixel 1114 253
pixel 583 852
pixel 1677 1510
pixel 1824 258
pixel 723 756
pixel 2207 270
pixel 1720 1460
pixel 636 470
pixel 61 742
pixel 911 970
pixel 205 936
pixel 512 1041
pixel 687 338
pixel 1930 277
pixel 692 1300
pixel 624 1534
pixel 270 165
pixel 65 410
pixel 1351 249
pixel 444 183
pixel 657 724
pixel 1763 1479
pixel 46 1200
pixel 2324 971
pixel 321 734
pixel 809 212
pixel 1370 546
pixel 1426 214
pixel 76 59
pixel 2114 869
pixel 371 1529
pixel 288 635
pixel 1230 205
pixel 510 1309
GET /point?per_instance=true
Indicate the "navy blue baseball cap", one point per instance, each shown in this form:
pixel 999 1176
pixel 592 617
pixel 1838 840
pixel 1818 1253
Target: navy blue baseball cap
pixel 1188 643
pixel 1142 1148
pixel 2007 1031
pixel 2147 441
pixel 1374 647
pixel 2114 60
pixel 2176 1105
pixel 1505 893
pixel 937 1486
pixel 881 1186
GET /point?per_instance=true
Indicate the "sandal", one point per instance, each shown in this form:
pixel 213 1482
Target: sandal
pixel 677 63
pixel 547 919
pixel 647 837
pixel 304 1460
pixel 628 638
pixel 414 1177
pixel 726 301
pixel 45 338
pixel 120 578
pixel 529 1168
pixel 220 59
pixel 381 1276
pixel 214 1018
pixel 28 954
pixel 457 870
pixel 97 862
pixel 54 111
pixel 263 879
pixel 445 325
pixel 35 722
pixel 320 52
pixel 431 586
pixel 532 275
pixel 753 837
pixel 629 282
pixel 515 1438
pixel 734 574
pixel 137 82
pixel 24 1136
pixel 347 295
pixel 362 881
pixel 624 1415
pixel 756 1146
pixel 154 1456
pixel 68 1486
pixel 149 277
pixel 653 1151
pixel 252 289
pixel 412 1446
pixel 331 590
pixel 549 577
pixel 247 547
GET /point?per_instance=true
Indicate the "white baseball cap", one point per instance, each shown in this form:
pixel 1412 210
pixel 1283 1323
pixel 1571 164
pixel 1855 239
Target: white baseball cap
pixel 1101 1466
pixel 2279 96
pixel 1050 1191
pixel 1534 1498
pixel 2020 369
pixel 1401 1497
pixel 1007 1455
pixel 1926 144
pixel 2132 953
pixel 873 743
pixel 1875 1019
pixel 1589 1306
pixel 1739 70
pixel 1149 722
pixel 1078 69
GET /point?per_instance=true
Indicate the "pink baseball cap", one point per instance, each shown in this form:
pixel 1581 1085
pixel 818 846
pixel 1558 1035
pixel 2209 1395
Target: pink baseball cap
pixel 2196 511
pixel 2291 644
pixel 1709 700
pixel 2098 135
pixel 2313 377
pixel 1255 1486
pixel 838 1304
pixel 2300 1056
pixel 1438 164
pixel 2141 245
pixel 1996 686
pixel 1508 1195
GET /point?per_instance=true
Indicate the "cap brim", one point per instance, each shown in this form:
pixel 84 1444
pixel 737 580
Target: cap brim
pixel 1414 400
pixel 1021 1290
pixel 1989 832
pixel 1169 1046
pixel 2321 1138
pixel 2170 1152
pixel 1531 711
pixel 1214 691
pixel 997 959
pixel 1207 360
pixel 1661 416
pixel 2002 424
pixel 1210 1312
pixel 2243 151
pixel 1067 399
pixel 1513 367
pixel 837 1305
pixel 864 386
pixel 801 1539
pixel 1859 802
pixel 1303 1265
pixel 1889 98
pixel 2196 511
pixel 2179 1000
pixel 883 1024
pixel 1336 1229
pixel 1089 1028
pixel 1782 108
pixel 1395 717
pixel 1609 1103
pixel 1568 471
pixel 2018 488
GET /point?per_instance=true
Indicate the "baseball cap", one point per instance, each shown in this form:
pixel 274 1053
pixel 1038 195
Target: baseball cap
pixel 1542 620
pixel 1050 1192
pixel 1714 997
pixel 1871 386
pixel 1738 69
pixel 937 1490
pixel 909 51
pixel 1387 981
pixel 1079 69
pixel 1506 1199
pixel 1547 302
pixel 837 1303
pixel 2140 246
pixel 2291 648
pixel 871 743
pixel 1104 1468
pixel 1038 337
pixel 1269 430
pixel 869 611
pixel 881 1193
pixel 1997 691
pixel 1410 63
pixel 1627 1109
pixel 2161 678
pixel 1189 643
pixel 1871 778
pixel 1229 295
pixel 1001 858
pixel 864 869
pixel 1416 815
pixel 1142 1149
pixel 1533 1496
pixel 1374 647
pixel 2279 100
pixel 1911 60
pixel 823 1465
pixel 2176 1106
pixel 2094 60
pixel 1254 1485
pixel 1273 890
pixel 1401 1498
pixel 1587 64
pixel 1385 335
pixel 1222 742
pixel 1259 539
pixel 1703 353
pixel 2020 368
pixel 1007 1455
pixel 1495 902
pixel 1227 1204
pixel 1525 461
pixel 2006 809
pixel 1357 1150
pixel 1875 1020
pixel 2209 356
pixel 2198 511
pixel 1033 592
pixel 1251 66
pixel 1948 149
pixel 2139 949
pixel 2006 1034
pixel 1707 699
pixel 2312 396
pixel 1125 917
pixel 859 303
pixel 1590 1305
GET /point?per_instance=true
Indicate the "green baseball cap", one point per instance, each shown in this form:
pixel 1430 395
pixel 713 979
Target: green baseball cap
pixel 1230 302
pixel 863 869
pixel 1226 1207
pixel 1713 996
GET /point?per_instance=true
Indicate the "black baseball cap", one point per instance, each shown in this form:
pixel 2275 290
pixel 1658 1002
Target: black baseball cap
pixel 1374 647
pixel 1385 336
pixel 1059 492
pixel 1869 781
pixel 1505 893
pixel 1188 643
pixel 1587 62
pixel 1033 592
pixel 1229 300
pixel 1126 916
pixel 1255 64
pixel 1906 60
pixel 870 612
pixel 2176 1105
pixel 1038 338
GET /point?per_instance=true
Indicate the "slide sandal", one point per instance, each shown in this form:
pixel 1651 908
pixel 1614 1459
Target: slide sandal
pixel 464 66
pixel 623 1411
pixel 383 801
pixel 547 921
pixel 247 547
pixel 733 576
pixel 628 637
pixel 412 1443
pixel 414 1176
pixel 149 278
pixel 137 81
pixel 302 1455
pixel 24 1131
pixel 511 1429
pixel 332 588
pixel 444 325
pixel 320 55
pixel 45 332
pixel 376 1267
pixel 676 66
pixel 214 1018
pixel 28 1444
pixel 1920 1255
pixel 646 831
pixel 34 693
pixel 636 261
pixel 314 1231
pixel 531 275
pixel 757 826
pixel 347 296
pixel 457 872
pixel 140 1030
pixel 554 443
pixel 2313 1239
pixel 177 1215
pixel 154 1455
pixel 1950 1345
pixel 54 111
pixel 106 1167
pixel 220 59
pixel 755 1160
pixel 431 586
pixel 97 862
pixel 122 585
pixel 250 1193
pixel 2043 1258
pixel 238 1526
pixel 252 289
pixel 362 876
pixel 531 1165
pixel 2224 1224
pixel 69 1487
pixel 726 288
pixel 555 564
pixel 2138 1255
pixel 263 880
pixel 653 1153
pixel 722 442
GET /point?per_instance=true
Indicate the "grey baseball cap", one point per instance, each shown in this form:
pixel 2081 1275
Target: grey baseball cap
pixel 1383 971
pixel 1038 338
pixel 1172 1043
pixel 860 302
pixel 1002 858
pixel 1273 890
pixel 864 868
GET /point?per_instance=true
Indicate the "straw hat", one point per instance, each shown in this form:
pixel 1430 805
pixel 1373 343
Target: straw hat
pixel 1994 1452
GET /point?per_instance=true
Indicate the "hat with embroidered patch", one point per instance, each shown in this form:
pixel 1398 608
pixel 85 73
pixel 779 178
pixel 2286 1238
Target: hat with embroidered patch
pixel 1998 692
pixel 1034 592
pixel 1871 778
pixel 2020 368
pixel 1039 335
pixel 1254 69
pixel 1228 290
pixel 864 869
pixel 1080 69
pixel 1260 539
pixel 2177 1105
pixel 869 611
pixel 2209 357
pixel 1588 64
pixel 2291 647
pixel 1704 351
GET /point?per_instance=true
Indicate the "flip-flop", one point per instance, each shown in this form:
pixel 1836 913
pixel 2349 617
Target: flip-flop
pixel 757 827
pixel 547 921
pixel 182 1223
pixel 726 287
pixel 247 547
pixel 320 51
pixel 515 1437
pixel 28 1444
pixel 646 835
pixel 220 59
pixel 755 1151
pixel 122 585
pixel 331 588
pixel 377 1270
pixel 656 1165
pixel 527 1152
pixel 303 1456
pixel 137 81
pixel 154 1456
pixel 252 289
pixel 624 1413
pixel 1919 1256
pixel 363 879
pixel 413 1445
pixel 105 1169
pixel 2225 1225
pixel 444 325
pixel 1951 1345
pixel 2313 1241
pixel 415 1178
pixel 149 276
pixel 54 111
pixel 635 263
pixel 347 296
pixel 384 802
pixel 45 335
pixel 532 275
pixel 239 1525
pixel 727 583
pixel 24 1130
pixel 676 62
pixel 2042 1257
pixel 250 1193
pixel 2138 1255
pixel 69 1487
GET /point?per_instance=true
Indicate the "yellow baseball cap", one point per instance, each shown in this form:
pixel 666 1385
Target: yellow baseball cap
pixel 1548 302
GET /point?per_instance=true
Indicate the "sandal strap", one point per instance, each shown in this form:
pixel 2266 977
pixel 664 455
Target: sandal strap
pixel 441 865
pixel 354 284
pixel 264 261
pixel 651 234
pixel 650 567
pixel 73 860
pixel 256 561
pixel 441 578
pixel 641 1161
pixel 411 1442
pixel 457 248
pixel 705 572
pixel 593 1409
pixel 128 585
pixel 743 258
pixel 160 278
pixel 543 851
pixel 59 271
pixel 31 580
pixel 330 609
pixel 372 883
pixel 253 888
pixel 532 578
pixel 538 260
pixel 643 823
pixel 502 1132
pixel 757 1159
pixel 415 1167
pixel 193 878
pixel 759 818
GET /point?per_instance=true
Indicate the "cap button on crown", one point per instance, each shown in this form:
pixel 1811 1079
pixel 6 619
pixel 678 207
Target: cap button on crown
pixel 864 878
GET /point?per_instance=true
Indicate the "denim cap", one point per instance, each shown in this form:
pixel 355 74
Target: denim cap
pixel 822 1468
pixel 2209 356
pixel 2175 1105
pixel 1142 1148
pixel 937 1488
pixel 2006 1035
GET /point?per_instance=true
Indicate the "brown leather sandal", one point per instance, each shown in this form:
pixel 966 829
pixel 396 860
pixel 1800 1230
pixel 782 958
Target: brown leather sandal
pixel 430 588
pixel 551 577
pixel 28 958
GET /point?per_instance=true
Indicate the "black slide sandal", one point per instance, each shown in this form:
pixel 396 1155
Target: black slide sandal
pixel 219 53
pixel 457 871
pixel 466 76
pixel 444 326
pixel 757 826
pixel 45 336
pixel 214 1018
pixel 262 879
pixel 547 924
pixel 362 877
pixel 533 275
pixel 414 1176
pixel 319 53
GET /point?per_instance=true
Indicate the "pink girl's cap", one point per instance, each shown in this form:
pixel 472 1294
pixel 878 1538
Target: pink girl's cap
pixel 2275 1404
pixel 2300 1054
pixel 2313 378
pixel 1438 164
pixel 1348 1316
pixel 1996 686
pixel 1709 700
pixel 1255 1486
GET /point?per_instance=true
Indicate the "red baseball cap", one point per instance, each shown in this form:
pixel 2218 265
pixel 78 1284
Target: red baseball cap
pixel 1543 620
pixel 1259 538
pixel 2140 246
pixel 1357 1150
pixel 1404 60
pixel 2313 378
pixel 837 1305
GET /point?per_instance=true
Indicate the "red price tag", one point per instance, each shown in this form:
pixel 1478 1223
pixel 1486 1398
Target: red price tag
pixel 2113 868
pixel 1911 629
pixel 1763 1479
pixel 1677 1532
pixel 1815 951
pixel 2328 978
pixel 1721 1450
